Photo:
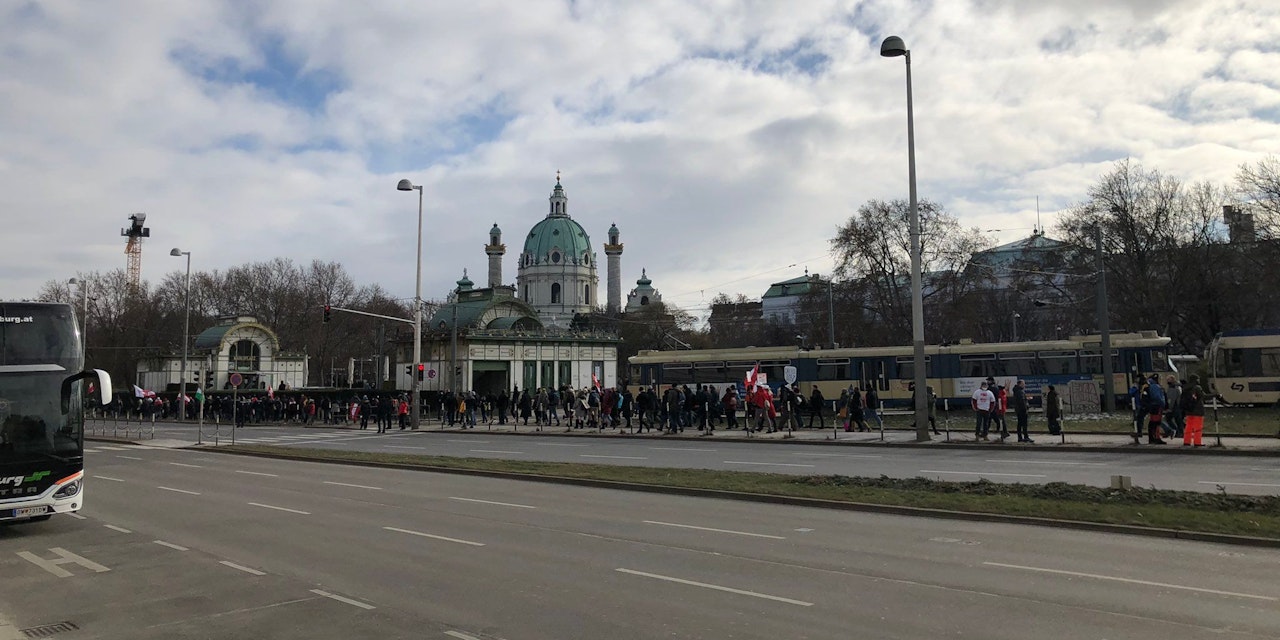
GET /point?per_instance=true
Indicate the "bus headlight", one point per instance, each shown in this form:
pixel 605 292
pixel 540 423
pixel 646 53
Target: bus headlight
pixel 67 490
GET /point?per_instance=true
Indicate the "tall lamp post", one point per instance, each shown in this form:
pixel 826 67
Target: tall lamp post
pixel 893 47
pixel 84 328
pixel 416 415
pixel 186 337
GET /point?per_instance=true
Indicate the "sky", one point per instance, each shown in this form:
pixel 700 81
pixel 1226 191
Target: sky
pixel 726 139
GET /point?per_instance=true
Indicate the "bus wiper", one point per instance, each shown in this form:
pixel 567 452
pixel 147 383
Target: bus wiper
pixel 54 456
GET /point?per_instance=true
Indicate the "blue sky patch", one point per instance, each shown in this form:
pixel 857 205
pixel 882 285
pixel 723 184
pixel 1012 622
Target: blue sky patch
pixel 273 71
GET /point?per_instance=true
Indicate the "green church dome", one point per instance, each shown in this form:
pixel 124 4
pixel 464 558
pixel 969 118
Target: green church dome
pixel 558 240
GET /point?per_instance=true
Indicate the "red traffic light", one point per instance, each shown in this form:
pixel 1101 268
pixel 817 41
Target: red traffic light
pixel 421 366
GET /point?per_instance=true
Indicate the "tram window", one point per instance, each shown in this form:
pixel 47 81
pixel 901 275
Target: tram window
pixel 1091 362
pixel 1270 362
pixel 1019 364
pixel 1160 360
pixel 1057 362
pixel 978 365
pixel 907 367
pixel 833 369
pixel 677 373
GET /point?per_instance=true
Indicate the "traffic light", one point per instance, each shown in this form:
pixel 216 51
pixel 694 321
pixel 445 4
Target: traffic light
pixel 422 369
pixel 326 313
pixel 408 370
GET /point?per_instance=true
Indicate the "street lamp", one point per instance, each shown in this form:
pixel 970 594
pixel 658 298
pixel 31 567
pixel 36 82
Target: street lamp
pixel 186 332
pixel 893 47
pixel 1016 317
pixel 84 328
pixel 416 417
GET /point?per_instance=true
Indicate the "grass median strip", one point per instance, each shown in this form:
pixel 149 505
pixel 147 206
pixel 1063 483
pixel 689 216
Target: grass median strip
pixel 1219 513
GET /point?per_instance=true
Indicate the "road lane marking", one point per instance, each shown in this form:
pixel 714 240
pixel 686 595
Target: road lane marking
pixel 93 451
pixel 170 545
pixel 770 464
pixel 1133 581
pixel 468 441
pixel 1250 468
pixel 558 444
pixel 106 448
pixel 716 587
pixel 354 603
pixel 109 478
pixel 984 473
pixel 183 464
pixel 1240 484
pixel 1074 464
pixel 587 455
pixel 837 455
pixel 400 446
pixel 357 486
pixel 460 635
pixel 434 537
pixel 257 473
pixel 681 449
pixel 115 528
pixel 738 533
pixel 492 451
pixel 502 504
pixel 129 457
pixel 242 568
pixel 64 557
pixel 267 506
pixel 190 493
pixel 76 515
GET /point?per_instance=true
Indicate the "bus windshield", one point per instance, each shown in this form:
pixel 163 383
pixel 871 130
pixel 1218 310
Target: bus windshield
pixel 39 348
pixel 32 424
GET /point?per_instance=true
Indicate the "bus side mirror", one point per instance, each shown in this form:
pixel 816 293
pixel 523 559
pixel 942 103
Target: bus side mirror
pixel 101 380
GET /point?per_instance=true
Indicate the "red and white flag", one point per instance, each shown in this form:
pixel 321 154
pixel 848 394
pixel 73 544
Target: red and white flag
pixel 139 392
pixel 753 377
pixel 595 382
pixel 271 393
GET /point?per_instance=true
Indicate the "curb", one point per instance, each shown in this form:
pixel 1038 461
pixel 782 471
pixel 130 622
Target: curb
pixel 1154 532
pixel 991 446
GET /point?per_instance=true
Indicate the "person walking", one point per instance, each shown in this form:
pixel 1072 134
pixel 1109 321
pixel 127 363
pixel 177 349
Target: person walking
pixel 1173 425
pixel 730 404
pixel 931 401
pixel 1193 406
pixel 1155 409
pixel 816 402
pixel 999 410
pixel 873 406
pixel 1021 408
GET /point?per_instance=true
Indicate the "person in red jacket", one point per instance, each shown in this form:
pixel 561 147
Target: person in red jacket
pixel 998 411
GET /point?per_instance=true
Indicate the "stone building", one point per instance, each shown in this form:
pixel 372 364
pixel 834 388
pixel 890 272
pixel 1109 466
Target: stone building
pixel 237 344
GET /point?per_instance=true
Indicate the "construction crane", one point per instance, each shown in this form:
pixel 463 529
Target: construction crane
pixel 135 232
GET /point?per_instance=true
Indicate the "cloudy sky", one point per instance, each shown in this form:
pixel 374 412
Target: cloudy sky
pixel 726 139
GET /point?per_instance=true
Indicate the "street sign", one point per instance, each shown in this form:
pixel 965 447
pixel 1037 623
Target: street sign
pixel 789 374
pixel 236 379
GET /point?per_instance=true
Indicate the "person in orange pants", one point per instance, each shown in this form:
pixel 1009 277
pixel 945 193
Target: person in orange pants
pixel 1193 402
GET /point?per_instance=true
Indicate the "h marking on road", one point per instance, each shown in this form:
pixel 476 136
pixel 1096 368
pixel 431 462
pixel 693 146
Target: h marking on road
pixel 63 557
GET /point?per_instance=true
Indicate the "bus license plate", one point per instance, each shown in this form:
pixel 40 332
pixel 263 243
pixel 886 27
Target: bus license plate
pixel 30 511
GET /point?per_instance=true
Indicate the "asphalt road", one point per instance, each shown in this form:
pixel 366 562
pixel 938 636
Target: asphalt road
pixel 190 544
pixel 1202 471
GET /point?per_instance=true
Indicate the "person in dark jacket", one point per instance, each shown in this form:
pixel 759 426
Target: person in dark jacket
pixel 1193 406
pixel 1053 411
pixel 816 402
pixel 1020 410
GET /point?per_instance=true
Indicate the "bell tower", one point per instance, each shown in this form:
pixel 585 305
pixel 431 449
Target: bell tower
pixel 495 250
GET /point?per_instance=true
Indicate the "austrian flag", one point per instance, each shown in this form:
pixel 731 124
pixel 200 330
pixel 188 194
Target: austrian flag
pixel 753 377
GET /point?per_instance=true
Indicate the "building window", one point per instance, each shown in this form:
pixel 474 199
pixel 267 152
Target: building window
pixel 244 356
pixel 566 374
pixel 586 258
pixel 555 257
pixel 586 294
pixel 526 293
pixel 555 292
pixel 644 300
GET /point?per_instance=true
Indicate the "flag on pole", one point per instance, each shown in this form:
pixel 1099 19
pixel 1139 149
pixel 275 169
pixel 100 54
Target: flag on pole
pixel 271 393
pixel 139 392
pixel 199 395
pixel 595 382
pixel 753 377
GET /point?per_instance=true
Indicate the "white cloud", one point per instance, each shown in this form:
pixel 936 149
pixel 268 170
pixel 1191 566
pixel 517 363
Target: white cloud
pixel 726 139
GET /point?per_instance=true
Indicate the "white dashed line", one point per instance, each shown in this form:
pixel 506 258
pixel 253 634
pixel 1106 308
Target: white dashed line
pixel 242 568
pixel 1131 581
pixel 586 455
pixel 170 545
pixel 471 441
pixel 1239 484
pixel 558 444
pixel 401 446
pixel 501 504
pixel 460 635
pixel 1074 464
pixel 115 528
pixel 183 464
pixel 737 533
pixel 267 506
pixel 257 473
pixel 716 587
pixel 190 493
pixel 769 464
pixel 129 457
pixel 682 449
pixel 108 478
pixel 357 486
pixel 354 603
pixel 492 451
pixel 836 455
pixel 75 515
pixel 434 537
pixel 984 473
